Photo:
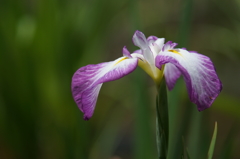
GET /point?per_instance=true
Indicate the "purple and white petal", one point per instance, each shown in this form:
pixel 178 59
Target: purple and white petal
pixel 126 52
pixel 155 49
pixel 160 42
pixel 157 46
pixel 140 40
pixel 118 69
pixel 169 46
pixel 171 74
pixel 202 82
pixel 152 39
pixel 138 51
pixel 87 81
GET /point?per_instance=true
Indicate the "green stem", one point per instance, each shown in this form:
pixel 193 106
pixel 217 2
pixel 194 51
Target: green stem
pixel 162 121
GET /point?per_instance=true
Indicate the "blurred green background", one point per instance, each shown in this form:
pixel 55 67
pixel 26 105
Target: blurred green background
pixel 43 42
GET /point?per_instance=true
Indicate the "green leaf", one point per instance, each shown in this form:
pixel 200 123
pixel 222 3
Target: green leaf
pixel 212 144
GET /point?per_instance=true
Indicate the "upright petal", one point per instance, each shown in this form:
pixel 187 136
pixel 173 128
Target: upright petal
pixel 168 46
pixel 140 40
pixel 156 46
pixel 152 39
pixel 202 82
pixel 87 81
pixel 126 52
pixel 160 42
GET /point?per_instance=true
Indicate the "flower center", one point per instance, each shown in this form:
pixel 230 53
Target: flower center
pixel 156 75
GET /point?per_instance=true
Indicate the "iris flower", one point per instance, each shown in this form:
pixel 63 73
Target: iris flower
pixel 158 60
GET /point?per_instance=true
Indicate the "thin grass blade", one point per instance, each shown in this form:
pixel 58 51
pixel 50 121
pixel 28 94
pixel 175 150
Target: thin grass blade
pixel 212 144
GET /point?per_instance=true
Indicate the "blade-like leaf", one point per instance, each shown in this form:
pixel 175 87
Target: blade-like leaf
pixel 212 144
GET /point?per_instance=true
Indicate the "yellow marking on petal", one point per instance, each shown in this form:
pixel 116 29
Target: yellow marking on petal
pixel 157 76
pixel 176 52
pixel 124 58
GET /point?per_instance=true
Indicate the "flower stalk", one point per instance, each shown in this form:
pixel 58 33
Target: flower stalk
pixel 162 123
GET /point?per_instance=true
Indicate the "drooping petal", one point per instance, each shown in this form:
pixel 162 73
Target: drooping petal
pixel 202 82
pixel 87 81
pixel 171 74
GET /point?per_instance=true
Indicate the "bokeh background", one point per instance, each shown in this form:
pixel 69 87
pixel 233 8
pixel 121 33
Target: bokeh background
pixel 43 42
